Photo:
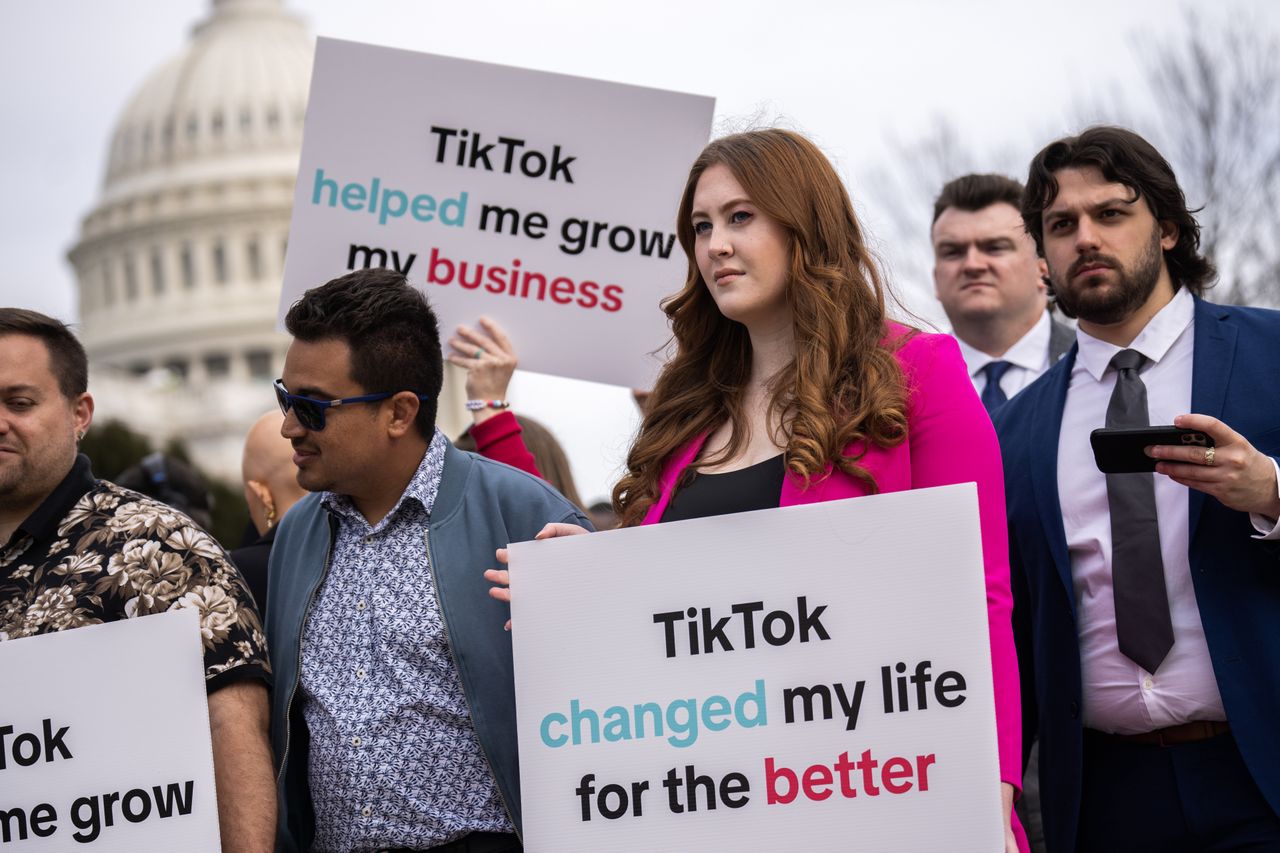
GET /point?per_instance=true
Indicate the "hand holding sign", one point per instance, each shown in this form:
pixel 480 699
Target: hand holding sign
pixel 489 359
pixel 541 200
pixel 752 681
pixel 502 577
pixel 89 774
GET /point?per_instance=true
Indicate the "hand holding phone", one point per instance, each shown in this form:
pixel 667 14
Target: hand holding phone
pixel 1121 451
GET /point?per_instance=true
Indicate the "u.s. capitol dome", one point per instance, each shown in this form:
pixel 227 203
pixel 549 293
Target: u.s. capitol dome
pixel 179 261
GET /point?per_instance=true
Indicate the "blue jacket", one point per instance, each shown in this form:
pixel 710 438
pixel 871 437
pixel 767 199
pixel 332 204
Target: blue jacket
pixel 482 505
pixel 1236 577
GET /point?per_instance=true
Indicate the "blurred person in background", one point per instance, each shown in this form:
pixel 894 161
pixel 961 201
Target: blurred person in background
pixel 602 515
pixel 549 459
pixel 496 432
pixel 171 481
pixel 489 359
pixel 270 489
pixel 991 283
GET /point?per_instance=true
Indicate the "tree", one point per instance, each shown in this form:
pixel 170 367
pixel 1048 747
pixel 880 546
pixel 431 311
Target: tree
pixel 1214 113
pixel 1210 102
pixel 114 448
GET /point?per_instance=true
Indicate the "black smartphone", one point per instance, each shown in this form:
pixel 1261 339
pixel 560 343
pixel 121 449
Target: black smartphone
pixel 1119 451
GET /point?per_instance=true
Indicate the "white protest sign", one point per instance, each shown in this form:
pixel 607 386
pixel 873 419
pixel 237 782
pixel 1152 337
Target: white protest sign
pixel 104 739
pixel 808 678
pixel 545 201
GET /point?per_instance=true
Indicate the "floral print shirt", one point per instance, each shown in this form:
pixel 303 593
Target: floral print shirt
pixel 94 552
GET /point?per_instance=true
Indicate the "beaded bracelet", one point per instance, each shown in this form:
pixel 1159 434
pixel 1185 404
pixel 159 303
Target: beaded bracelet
pixel 477 405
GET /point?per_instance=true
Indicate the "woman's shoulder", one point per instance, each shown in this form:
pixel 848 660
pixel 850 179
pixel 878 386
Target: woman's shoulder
pixel 914 347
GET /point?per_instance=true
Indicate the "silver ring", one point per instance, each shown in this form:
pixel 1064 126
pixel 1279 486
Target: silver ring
pixel 1208 456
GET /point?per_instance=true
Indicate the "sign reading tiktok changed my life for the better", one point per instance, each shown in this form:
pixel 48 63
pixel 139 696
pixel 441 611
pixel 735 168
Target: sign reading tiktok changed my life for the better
pixel 545 201
pixel 807 678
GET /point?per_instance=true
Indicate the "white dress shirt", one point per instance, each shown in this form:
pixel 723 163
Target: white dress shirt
pixel 1028 358
pixel 1119 696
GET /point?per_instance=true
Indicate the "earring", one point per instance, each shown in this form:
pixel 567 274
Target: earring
pixel 271 516
pixel 79 436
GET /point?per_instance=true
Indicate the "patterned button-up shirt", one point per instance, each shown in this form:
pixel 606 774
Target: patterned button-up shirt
pixel 394 760
pixel 93 552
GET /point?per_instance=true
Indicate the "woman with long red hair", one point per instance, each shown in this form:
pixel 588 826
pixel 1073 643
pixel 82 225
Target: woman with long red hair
pixel 791 385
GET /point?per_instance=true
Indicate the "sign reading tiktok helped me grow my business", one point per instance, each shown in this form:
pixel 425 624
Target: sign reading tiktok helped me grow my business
pixel 545 201
pixel 104 739
pixel 807 678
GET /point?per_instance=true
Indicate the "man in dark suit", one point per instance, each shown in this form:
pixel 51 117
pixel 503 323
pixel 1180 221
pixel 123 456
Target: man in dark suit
pixel 991 284
pixel 1145 604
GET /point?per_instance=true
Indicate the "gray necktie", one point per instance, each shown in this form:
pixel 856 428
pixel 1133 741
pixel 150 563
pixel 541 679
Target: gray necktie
pixel 1143 625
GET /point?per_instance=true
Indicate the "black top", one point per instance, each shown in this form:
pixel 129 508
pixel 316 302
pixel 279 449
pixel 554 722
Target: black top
pixel 756 487
pixel 251 560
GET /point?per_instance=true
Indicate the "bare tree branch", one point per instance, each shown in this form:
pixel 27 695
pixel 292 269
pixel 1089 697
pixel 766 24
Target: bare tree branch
pixel 1210 104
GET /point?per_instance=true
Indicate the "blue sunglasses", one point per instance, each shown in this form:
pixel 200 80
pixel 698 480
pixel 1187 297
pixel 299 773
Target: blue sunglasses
pixel 310 412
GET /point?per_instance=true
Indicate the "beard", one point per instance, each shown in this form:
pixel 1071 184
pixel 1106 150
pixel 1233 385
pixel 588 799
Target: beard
pixel 28 477
pixel 1106 306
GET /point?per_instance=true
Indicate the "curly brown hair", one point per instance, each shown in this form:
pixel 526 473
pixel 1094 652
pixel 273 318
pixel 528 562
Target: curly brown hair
pixel 843 385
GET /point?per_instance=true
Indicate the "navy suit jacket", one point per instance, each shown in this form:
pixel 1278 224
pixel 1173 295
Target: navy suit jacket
pixel 1235 378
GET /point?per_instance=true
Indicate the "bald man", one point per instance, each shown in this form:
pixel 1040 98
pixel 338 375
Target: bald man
pixel 270 488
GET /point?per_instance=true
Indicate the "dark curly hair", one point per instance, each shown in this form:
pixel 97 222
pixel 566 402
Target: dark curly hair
pixel 1125 158
pixel 392 332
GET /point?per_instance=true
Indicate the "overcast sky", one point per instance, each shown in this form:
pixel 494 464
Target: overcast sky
pixel 860 78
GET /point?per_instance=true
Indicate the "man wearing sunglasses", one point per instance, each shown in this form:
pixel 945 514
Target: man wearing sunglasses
pixel 393 719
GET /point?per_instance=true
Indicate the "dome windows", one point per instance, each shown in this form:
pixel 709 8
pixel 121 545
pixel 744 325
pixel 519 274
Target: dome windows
pixel 108 285
pixel 253 256
pixel 217 365
pixel 187 262
pixel 259 362
pixel 179 367
pixel 219 262
pixel 188 231
pixel 157 271
pixel 130 279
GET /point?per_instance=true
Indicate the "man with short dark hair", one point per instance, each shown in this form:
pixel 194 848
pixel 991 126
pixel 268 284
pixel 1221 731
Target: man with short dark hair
pixel 75 550
pixel 991 284
pixel 394 714
pixel 1145 604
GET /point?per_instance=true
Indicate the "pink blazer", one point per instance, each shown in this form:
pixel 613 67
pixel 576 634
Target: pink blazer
pixel 950 440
